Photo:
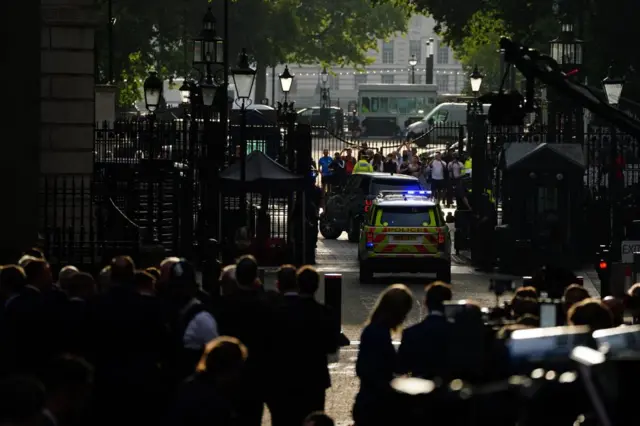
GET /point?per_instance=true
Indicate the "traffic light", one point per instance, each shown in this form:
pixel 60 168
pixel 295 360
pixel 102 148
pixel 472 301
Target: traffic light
pixel 603 268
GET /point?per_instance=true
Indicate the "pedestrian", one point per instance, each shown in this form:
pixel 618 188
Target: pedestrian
pixel 326 173
pixel 391 164
pixel 376 363
pixel 377 163
pixel 338 172
pixel 349 161
pixel 214 393
pixel 437 171
pixel 363 165
pixel 455 169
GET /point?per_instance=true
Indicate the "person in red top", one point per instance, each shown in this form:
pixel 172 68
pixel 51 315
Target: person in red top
pixel 349 161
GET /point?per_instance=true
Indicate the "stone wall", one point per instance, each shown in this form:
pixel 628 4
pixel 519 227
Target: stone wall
pixel 67 110
pixel 67 86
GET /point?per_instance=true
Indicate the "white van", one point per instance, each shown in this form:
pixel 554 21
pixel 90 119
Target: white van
pixel 449 113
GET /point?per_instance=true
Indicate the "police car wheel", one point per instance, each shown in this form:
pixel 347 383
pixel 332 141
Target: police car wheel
pixel 328 229
pixel 366 274
pixel 354 230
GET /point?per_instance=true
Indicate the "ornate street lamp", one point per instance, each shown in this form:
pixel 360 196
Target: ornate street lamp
pixel 324 77
pixel 208 47
pixel 185 91
pixel 152 91
pixel 475 78
pixel 566 50
pixel 208 90
pixel 286 81
pixel 613 87
pixel 243 77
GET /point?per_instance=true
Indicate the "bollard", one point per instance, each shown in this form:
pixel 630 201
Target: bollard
pixel 636 267
pixel 580 280
pixel 333 299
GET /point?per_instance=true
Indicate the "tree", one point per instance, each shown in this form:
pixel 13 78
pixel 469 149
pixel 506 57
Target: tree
pixel 151 34
pixel 479 47
pixel 603 25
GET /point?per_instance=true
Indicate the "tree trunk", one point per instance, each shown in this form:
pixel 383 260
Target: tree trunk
pixel 261 83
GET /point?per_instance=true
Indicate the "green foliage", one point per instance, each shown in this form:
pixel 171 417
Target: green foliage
pixel 479 47
pixel 150 34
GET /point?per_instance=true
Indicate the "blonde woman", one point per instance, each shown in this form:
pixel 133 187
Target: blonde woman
pixel 377 356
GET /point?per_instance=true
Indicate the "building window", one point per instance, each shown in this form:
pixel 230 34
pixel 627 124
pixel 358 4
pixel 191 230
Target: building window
pixel 334 82
pixel 443 54
pixel 387 52
pixel 415 48
pixel 359 79
pixel 443 83
pixel 387 79
pixel 419 78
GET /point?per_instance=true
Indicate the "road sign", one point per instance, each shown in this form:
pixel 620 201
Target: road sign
pixel 628 248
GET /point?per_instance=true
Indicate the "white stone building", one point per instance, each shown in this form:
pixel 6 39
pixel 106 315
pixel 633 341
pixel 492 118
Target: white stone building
pixel 390 66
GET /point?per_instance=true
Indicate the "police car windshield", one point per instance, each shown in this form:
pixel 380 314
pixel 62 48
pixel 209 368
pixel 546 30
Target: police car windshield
pixel 379 185
pixel 409 216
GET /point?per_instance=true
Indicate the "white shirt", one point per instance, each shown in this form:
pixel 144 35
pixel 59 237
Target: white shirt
pixel 202 329
pixel 455 167
pixel 437 169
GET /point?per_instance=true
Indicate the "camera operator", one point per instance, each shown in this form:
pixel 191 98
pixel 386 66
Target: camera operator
pixel 573 294
pixel 617 309
pixel 592 313
pixel 528 307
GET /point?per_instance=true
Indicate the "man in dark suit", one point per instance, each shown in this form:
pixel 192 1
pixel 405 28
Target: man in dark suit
pixel 305 340
pixel 424 348
pixel 129 338
pixel 68 382
pixel 40 290
pixel 247 314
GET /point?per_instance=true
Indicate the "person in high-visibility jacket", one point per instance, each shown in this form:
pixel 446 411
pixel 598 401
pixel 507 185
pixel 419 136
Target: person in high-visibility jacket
pixel 468 166
pixel 363 165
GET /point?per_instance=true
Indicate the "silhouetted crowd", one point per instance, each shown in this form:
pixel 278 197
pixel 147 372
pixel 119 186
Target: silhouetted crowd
pixel 152 347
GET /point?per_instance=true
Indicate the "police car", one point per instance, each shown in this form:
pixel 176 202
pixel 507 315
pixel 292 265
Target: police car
pixel 404 231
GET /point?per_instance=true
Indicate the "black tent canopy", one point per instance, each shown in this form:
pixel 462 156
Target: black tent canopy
pixel 262 175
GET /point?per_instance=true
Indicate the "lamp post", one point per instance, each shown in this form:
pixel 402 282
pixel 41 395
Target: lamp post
pixel 287 116
pixel 475 80
pixel 413 61
pixel 325 97
pixel 152 92
pixel 566 50
pixel 243 78
pixel 478 149
pixel 286 81
pixel 429 62
pixel 613 89
pixel 324 88
pixel 152 96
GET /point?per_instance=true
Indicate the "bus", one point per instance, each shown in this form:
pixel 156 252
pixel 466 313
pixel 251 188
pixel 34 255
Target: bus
pixel 387 109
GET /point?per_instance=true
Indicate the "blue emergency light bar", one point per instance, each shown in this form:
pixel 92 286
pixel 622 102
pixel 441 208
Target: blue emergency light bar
pixel 414 193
